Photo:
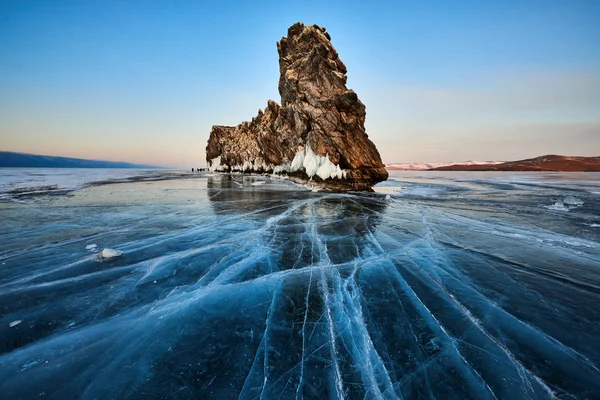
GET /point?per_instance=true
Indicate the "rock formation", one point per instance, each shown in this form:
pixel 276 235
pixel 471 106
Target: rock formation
pixel 316 134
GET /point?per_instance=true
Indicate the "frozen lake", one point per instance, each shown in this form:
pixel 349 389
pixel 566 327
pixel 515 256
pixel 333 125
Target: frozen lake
pixel 438 285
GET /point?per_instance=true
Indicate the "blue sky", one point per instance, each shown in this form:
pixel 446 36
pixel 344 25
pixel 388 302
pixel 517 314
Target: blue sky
pixel 144 81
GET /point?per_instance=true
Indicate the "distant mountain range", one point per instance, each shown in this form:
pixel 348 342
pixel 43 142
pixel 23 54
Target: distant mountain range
pixel 23 160
pixel 548 163
pixel 433 165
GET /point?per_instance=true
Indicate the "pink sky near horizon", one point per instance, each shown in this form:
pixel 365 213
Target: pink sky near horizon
pixel 513 117
pixel 119 81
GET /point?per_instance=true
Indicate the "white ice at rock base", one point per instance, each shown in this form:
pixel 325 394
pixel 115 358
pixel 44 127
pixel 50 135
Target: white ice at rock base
pixel 313 164
pixel 215 163
pixel 281 168
pixel 329 169
pixel 298 161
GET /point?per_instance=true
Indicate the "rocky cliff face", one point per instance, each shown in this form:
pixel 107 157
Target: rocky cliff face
pixel 317 133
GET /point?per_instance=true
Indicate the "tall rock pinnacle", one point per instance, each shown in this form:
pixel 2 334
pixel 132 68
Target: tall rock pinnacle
pixel 318 132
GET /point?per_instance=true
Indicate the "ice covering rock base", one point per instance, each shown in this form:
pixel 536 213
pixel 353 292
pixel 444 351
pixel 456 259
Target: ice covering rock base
pixel 318 132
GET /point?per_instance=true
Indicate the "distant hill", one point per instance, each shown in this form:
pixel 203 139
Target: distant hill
pixel 432 165
pixel 548 163
pixel 23 160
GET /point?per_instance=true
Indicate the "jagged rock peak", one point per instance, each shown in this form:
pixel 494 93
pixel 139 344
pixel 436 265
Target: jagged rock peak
pixel 316 135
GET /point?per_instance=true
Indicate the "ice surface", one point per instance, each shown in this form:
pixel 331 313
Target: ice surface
pixel 236 291
pixel 21 184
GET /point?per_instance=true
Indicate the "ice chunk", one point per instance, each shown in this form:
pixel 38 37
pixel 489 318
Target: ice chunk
pixel 91 247
pixel 109 253
pixel 259 183
pixel 558 206
pixel 566 204
pixel 572 201
pixel 14 323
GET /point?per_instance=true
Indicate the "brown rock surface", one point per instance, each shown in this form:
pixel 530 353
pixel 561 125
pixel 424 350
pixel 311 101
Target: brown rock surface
pixel 317 133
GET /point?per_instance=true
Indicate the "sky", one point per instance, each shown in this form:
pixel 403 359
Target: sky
pixel 144 81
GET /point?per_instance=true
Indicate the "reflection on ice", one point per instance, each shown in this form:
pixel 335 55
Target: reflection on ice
pixel 229 289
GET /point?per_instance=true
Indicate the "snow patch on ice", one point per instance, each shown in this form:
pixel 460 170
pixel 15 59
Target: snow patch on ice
pixel 566 204
pixel 577 243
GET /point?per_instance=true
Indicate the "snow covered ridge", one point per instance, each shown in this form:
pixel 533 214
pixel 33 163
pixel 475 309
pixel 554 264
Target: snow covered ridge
pixel 426 166
pixel 305 160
